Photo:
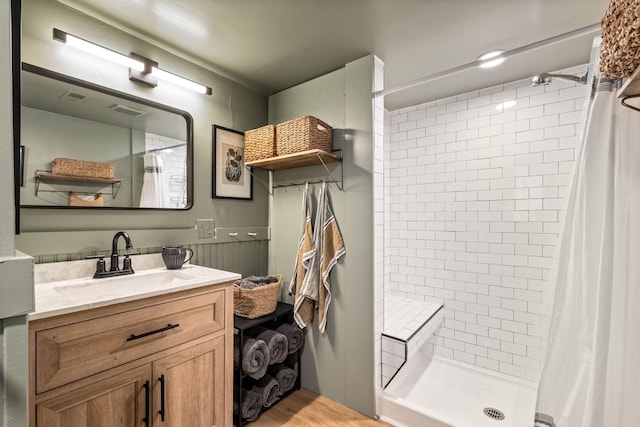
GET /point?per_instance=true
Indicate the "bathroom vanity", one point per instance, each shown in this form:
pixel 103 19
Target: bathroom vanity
pixel 150 349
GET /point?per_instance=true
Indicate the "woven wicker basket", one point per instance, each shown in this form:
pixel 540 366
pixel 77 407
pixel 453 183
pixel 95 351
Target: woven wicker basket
pixel 257 302
pixel 260 143
pixel 304 133
pixel 620 47
pixel 72 167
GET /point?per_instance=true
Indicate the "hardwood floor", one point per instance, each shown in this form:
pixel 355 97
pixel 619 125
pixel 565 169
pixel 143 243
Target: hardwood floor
pixel 305 408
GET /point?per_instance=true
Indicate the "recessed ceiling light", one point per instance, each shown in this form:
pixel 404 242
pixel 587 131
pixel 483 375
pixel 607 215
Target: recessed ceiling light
pixel 491 59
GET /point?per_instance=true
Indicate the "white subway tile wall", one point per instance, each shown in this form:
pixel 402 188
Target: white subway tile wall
pixel 476 187
pixel 174 161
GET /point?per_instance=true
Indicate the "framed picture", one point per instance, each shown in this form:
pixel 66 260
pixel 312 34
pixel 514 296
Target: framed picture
pixel 230 180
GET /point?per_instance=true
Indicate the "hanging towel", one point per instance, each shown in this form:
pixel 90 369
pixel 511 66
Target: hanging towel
pixel 153 191
pixel 309 289
pixel 302 306
pixel 332 249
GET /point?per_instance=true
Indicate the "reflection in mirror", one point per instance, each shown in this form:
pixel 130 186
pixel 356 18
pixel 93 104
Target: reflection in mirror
pixel 90 146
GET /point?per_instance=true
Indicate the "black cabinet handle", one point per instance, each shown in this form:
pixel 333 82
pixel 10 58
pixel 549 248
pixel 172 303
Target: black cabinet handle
pixel 146 404
pixel 161 411
pixel 157 331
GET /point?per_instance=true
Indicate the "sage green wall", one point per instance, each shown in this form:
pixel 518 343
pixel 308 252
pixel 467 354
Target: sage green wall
pixel 231 105
pixel 340 363
pixel 50 135
pixel 13 330
pixel 7 213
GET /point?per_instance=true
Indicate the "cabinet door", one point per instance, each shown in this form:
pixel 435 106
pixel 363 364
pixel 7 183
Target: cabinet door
pixel 189 387
pixel 120 401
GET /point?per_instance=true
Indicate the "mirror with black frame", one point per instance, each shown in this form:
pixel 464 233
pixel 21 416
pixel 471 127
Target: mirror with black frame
pixel 88 146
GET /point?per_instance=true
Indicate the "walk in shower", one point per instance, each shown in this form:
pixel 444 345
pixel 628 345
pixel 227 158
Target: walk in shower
pixel 475 190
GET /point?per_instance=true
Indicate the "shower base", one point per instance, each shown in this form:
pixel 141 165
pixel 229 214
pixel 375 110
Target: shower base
pixel 438 392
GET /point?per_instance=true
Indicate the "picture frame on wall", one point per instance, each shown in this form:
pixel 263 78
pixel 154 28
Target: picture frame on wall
pixel 230 178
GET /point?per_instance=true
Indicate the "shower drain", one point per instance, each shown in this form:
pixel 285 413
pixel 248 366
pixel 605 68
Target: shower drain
pixel 493 413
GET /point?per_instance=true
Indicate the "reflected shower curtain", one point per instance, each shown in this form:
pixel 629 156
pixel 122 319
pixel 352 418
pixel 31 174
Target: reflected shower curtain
pixel 591 377
pixel 153 191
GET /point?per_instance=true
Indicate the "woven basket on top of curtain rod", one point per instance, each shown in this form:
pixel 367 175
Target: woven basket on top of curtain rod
pixel 302 134
pixel 620 47
pixel 256 302
pixel 260 143
pixel 82 168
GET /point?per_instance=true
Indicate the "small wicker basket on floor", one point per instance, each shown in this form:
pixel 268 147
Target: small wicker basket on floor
pixel 257 302
pixel 84 168
pixel 260 143
pixel 302 134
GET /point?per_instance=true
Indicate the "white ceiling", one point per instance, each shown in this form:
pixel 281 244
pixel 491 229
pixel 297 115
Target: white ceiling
pixel 271 45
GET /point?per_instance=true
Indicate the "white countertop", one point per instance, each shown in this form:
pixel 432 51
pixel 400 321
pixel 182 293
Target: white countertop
pixel 57 297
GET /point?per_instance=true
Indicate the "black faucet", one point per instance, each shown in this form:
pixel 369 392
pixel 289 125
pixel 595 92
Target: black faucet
pixel 126 263
pixel 115 270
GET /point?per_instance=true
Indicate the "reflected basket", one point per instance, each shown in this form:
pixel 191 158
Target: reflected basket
pixel 257 302
pixel 81 168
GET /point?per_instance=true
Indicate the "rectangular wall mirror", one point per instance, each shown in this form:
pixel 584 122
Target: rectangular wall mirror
pixel 88 146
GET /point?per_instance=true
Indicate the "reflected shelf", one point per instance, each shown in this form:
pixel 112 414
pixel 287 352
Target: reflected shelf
pixel 45 176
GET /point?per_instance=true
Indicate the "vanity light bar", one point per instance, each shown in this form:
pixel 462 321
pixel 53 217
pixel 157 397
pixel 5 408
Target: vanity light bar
pixel 180 81
pixel 134 62
pixel 97 50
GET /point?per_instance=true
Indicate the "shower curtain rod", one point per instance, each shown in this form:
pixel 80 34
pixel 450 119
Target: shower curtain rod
pixel 594 28
pixel 166 148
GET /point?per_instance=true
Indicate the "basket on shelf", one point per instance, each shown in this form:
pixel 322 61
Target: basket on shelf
pixel 620 47
pixel 260 143
pixel 257 302
pixel 302 134
pixel 84 168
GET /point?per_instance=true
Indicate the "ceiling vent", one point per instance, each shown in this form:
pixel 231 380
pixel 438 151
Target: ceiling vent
pixel 72 96
pixel 129 111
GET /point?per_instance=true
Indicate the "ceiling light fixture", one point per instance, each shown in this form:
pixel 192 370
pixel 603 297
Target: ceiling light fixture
pixel 491 59
pixel 96 50
pixel 180 81
pixel 141 69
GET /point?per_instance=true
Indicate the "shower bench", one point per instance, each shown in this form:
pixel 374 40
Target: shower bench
pixel 408 324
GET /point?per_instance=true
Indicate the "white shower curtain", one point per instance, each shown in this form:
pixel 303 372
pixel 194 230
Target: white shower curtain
pixel 153 186
pixel 591 377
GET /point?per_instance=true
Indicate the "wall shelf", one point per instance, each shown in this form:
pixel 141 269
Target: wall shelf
pixel 296 160
pixel 631 86
pixel 45 176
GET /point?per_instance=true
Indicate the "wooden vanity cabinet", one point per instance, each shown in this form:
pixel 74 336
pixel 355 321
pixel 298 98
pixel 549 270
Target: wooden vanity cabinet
pixel 128 365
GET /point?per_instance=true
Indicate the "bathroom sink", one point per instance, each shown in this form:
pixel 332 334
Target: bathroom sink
pixel 66 296
pixel 114 285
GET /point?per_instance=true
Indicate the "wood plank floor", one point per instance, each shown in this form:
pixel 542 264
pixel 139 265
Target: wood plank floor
pixel 304 408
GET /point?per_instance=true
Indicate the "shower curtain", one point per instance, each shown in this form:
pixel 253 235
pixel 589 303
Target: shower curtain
pixel 153 187
pixel 591 376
